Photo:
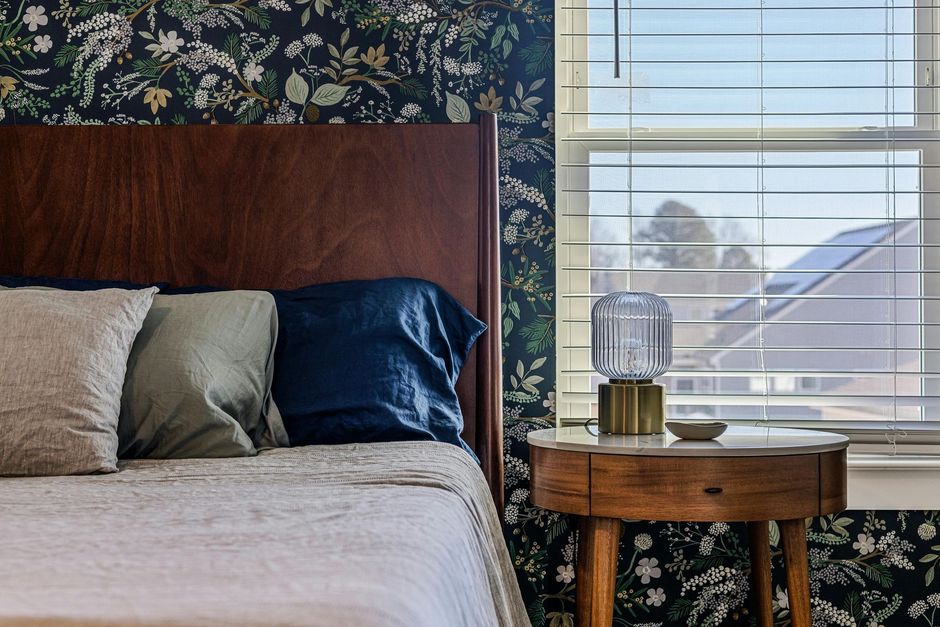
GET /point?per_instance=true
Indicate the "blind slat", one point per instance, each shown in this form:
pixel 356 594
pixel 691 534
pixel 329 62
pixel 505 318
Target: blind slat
pixel 872 138
pixel 753 9
pixel 772 323
pixel 742 270
pixel 797 218
pixel 778 348
pixel 836 297
pixel 639 35
pixel 752 192
pixel 751 374
pixel 749 61
pixel 664 244
pixel 753 114
pixel 781 400
pixel 747 166
pixel 825 374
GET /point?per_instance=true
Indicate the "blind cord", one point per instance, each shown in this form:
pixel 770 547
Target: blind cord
pixel 630 197
pixel 761 187
pixel 892 433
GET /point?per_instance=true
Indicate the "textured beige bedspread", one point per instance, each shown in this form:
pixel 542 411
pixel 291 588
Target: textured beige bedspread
pixel 398 534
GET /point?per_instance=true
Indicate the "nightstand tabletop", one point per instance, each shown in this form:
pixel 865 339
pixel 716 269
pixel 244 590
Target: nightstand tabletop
pixel 735 442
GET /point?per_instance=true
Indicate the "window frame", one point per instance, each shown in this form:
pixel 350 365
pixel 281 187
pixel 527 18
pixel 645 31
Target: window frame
pixel 576 140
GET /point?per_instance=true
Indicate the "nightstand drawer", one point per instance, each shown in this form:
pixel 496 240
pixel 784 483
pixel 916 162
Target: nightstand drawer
pixel 705 488
pixel 560 480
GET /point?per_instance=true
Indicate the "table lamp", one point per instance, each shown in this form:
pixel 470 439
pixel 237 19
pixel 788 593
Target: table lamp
pixel 631 339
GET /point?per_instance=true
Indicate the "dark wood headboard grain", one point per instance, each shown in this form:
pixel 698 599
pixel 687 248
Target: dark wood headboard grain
pixel 268 207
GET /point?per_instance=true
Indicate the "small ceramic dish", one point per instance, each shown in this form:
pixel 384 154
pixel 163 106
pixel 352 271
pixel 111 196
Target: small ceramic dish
pixel 696 430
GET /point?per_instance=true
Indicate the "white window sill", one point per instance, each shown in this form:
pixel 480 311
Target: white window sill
pixel 884 481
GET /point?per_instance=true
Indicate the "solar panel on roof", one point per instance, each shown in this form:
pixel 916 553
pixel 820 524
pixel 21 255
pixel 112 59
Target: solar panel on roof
pixel 829 259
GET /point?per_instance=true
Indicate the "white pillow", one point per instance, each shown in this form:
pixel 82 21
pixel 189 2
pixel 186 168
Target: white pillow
pixel 63 356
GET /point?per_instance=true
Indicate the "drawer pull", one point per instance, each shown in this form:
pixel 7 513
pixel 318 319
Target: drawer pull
pixel 712 490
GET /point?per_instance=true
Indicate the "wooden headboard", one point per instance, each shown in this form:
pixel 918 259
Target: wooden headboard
pixel 274 207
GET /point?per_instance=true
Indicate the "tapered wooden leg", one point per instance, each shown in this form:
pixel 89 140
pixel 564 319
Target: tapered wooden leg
pixel 596 573
pixel 793 534
pixel 758 535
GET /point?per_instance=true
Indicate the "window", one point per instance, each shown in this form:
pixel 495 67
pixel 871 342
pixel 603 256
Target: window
pixel 772 169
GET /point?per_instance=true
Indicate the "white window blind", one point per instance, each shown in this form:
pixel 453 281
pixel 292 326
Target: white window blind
pixel 772 169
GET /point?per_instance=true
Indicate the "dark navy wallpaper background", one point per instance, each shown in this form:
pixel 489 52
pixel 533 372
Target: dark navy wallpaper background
pixel 414 61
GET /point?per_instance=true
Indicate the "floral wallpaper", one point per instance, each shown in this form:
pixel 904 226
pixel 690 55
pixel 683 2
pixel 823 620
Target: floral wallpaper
pixel 320 61
pixel 414 61
pixel 867 568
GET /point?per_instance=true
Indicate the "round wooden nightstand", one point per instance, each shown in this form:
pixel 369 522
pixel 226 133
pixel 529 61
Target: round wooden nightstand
pixel 749 474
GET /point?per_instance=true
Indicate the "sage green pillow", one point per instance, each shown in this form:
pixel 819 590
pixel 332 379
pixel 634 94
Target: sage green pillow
pixel 199 378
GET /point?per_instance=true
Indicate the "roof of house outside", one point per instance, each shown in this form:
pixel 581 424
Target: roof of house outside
pixel 851 244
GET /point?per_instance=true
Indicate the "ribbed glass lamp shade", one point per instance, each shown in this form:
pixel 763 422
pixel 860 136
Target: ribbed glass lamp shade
pixel 631 335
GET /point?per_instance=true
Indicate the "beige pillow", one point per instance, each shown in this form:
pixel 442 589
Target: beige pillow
pixel 63 356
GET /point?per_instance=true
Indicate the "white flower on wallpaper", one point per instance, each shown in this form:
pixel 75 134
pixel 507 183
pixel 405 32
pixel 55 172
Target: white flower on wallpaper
pixel 549 402
pixel 253 72
pixel 42 44
pixel 171 42
pixel 655 596
pixel 565 573
pixel 865 544
pixel 647 569
pixel 35 18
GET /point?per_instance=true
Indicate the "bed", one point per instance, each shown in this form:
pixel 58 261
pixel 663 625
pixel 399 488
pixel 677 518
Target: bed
pixel 377 534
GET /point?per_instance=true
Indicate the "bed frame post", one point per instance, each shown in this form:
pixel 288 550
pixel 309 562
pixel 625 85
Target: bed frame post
pixel 489 360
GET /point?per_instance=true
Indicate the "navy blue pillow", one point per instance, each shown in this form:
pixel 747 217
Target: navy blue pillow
pixel 371 361
pixel 75 285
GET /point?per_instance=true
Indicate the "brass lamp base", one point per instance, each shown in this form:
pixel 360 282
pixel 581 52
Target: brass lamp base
pixel 631 407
